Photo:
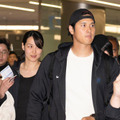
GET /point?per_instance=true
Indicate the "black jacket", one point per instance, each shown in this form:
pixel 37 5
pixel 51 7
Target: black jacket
pixel 52 91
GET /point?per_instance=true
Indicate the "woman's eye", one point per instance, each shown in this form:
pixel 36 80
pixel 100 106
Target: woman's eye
pixel 29 46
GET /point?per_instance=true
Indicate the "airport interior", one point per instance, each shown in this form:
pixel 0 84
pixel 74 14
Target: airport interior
pixel 51 18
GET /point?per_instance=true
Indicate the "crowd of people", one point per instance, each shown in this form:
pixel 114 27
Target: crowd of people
pixel 79 81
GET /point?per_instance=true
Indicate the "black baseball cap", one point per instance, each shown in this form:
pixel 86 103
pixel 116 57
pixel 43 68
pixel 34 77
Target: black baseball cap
pixel 80 14
pixel 100 40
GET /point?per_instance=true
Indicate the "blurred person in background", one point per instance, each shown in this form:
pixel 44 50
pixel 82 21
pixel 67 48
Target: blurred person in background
pixel 99 41
pixel 107 49
pixel 102 44
pixel 12 58
pixel 115 46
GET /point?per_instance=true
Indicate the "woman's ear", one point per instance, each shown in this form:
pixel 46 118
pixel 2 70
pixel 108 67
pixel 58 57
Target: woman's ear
pixel 71 29
pixel 23 47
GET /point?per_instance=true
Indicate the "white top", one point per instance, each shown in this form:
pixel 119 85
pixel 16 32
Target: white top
pixel 78 86
pixel 7 110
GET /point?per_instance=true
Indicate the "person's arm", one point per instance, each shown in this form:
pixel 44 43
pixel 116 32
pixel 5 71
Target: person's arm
pixel 112 111
pixel 115 99
pixel 7 110
pixel 4 86
pixel 38 94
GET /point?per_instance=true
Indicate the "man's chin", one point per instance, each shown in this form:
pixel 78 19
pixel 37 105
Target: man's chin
pixel 2 64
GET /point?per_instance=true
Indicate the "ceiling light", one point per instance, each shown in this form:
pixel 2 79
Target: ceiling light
pixel 57 26
pixel 105 3
pixel 44 4
pixel 44 28
pixel 17 8
pixel 112 28
pixel 34 3
pixel 57 37
pixel 50 5
pixel 18 27
pixel 22 27
pixel 59 18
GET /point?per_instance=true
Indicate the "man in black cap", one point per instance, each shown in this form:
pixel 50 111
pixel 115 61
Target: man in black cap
pixel 72 83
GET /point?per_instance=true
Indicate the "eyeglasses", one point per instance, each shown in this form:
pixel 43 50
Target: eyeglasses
pixel 4 52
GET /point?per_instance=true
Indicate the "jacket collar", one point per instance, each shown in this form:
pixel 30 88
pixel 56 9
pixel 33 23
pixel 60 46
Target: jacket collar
pixel 64 48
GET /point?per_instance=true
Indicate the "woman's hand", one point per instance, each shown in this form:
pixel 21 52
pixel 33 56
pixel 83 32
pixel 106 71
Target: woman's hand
pixel 115 99
pixel 4 86
pixel 116 87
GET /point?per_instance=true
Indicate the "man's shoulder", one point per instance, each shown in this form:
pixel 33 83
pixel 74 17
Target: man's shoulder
pixel 48 58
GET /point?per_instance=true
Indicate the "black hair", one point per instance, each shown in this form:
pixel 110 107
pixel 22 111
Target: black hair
pixel 38 39
pixel 13 52
pixel 6 42
pixel 99 41
pixel 108 47
pixel 111 38
pixel 78 15
pixel 37 36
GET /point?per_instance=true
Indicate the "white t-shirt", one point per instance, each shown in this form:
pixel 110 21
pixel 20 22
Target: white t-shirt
pixel 78 86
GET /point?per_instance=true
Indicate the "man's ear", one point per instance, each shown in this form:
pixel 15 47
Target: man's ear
pixel 23 47
pixel 71 29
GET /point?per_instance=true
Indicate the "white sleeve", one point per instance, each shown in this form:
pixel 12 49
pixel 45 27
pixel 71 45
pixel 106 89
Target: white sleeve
pixel 7 110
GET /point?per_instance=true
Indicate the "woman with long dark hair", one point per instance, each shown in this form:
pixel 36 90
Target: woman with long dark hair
pixel 32 45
